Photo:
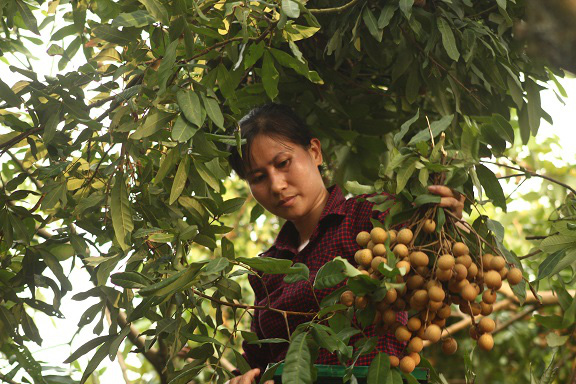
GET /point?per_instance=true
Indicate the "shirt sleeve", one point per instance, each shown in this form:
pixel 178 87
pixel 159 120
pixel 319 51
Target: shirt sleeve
pixel 257 355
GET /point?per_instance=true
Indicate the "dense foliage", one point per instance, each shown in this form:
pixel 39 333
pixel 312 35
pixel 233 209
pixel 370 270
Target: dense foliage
pixel 120 164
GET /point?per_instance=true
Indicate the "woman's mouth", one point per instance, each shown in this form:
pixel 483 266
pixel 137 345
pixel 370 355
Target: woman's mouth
pixel 287 202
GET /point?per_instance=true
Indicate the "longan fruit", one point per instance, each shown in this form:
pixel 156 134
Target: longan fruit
pixel 423 271
pixel 370 245
pixel 414 282
pixel 414 324
pixel 364 257
pixel 419 259
pixel 514 276
pixel 361 302
pixel 485 309
pixel 446 262
pixel 459 249
pixel 403 264
pixel 381 306
pixel 389 317
pixel 415 356
pixel 391 296
pixel 402 333
pixel 401 251
pixel 347 298
pixel 439 322
pixel 394 361
pixel 489 297
pixel 415 345
pixel 503 273
pixel 407 364
pixel 378 235
pixel 476 309
pixel 497 263
pixel 468 293
pixel 449 346
pixel 444 312
pixel 493 280
pixel 400 304
pixel 433 333
pixel 365 272
pixel 486 342
pixel 443 275
pixel 421 297
pixel 460 272
pixel 404 236
pixel 486 261
pixel 376 261
pixel 379 250
pixel 465 260
pixel 472 271
pixel 362 238
pixel 435 305
pixel 392 235
pixel 486 325
pixel 436 294
pixel 429 226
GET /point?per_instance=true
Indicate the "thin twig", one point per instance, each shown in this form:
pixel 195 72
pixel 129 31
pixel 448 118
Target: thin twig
pixel 333 10
pixel 7 380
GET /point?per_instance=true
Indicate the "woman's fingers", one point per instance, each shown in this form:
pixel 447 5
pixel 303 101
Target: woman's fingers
pixel 450 198
pixel 247 378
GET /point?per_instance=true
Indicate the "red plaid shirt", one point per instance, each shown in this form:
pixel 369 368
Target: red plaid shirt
pixel 335 235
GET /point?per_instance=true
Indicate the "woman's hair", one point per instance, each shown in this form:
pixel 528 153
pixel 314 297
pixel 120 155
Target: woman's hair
pixel 275 120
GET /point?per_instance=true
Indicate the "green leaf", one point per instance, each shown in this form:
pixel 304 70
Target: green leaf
pixel 167 64
pixel 121 213
pixel 130 280
pixel 50 127
pixel 189 103
pixel 179 180
pixel 156 9
pixel 329 275
pixel 550 322
pixel 86 347
pixel 217 265
pixel 231 206
pixel 270 77
pixel 379 369
pixel 426 199
pixel 503 128
pixel 155 121
pixel 557 243
pixel 534 107
pixel 404 128
pixel 268 265
pixel 372 24
pixel 182 131
pixel 8 95
pixel 138 19
pixel 386 15
pixel 556 262
pixel 404 175
pixel 491 185
pixel 113 35
pixel 298 361
pixel 177 282
pixel 448 40
pixel 436 127
pixel 406 7
pixel 297 272
pixel 555 340
pixel 356 188
pixel 95 361
pixel 291 8
pixel 166 164
pixel 213 111
pixel 27 16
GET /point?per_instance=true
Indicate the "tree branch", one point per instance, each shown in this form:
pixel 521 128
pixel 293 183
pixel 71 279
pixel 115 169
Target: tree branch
pixel 21 166
pixel 4 147
pixel 333 10
pixel 7 380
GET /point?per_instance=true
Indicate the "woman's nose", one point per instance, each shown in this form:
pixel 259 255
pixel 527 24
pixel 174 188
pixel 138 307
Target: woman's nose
pixel 277 182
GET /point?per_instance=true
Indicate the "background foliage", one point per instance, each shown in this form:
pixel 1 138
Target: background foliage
pixel 119 165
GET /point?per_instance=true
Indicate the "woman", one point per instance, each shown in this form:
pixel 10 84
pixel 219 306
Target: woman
pixel 281 163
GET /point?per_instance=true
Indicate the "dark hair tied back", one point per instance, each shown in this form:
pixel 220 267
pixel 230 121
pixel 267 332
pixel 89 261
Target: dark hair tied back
pixel 275 120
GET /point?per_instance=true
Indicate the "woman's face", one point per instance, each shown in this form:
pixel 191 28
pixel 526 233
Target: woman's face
pixel 284 178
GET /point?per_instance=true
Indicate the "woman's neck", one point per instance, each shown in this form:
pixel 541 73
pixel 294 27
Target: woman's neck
pixel 306 225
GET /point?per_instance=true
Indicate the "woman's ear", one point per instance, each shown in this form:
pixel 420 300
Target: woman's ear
pixel 315 151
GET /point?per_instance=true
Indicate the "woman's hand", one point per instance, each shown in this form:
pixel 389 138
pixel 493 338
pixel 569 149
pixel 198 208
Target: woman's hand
pixel 248 378
pixel 450 199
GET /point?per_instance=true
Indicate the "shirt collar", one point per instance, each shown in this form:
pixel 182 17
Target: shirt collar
pixel 287 239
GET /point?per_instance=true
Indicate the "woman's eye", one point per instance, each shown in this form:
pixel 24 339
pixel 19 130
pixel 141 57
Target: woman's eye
pixel 283 163
pixel 256 179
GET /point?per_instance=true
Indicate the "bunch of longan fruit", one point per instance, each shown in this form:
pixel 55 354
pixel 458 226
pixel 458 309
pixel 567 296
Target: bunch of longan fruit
pixel 434 272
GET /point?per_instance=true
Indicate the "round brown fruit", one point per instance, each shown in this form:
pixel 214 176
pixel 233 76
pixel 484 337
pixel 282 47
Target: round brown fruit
pixel 378 235
pixel 486 325
pixel 444 312
pixel 449 346
pixel 421 296
pixel 514 276
pixel 407 364
pixel 459 249
pixel 436 294
pixel 497 263
pixel 361 302
pixel 364 257
pixel 401 251
pixel 414 282
pixel 379 250
pixel 414 324
pixel 486 342
pixel 460 272
pixel 433 333
pixel 392 234
pixel 370 245
pixel 493 280
pixel 472 271
pixel 394 361
pixel 469 293
pixel 465 260
pixel 376 261
pixel 389 317
pixel 404 236
pixel 473 333
pixel 429 226
pixel 489 297
pixel 415 356
pixel 435 305
pixel 416 344
pixel 443 275
pixel 446 262
pixel 391 296
pixel 485 309
pixel 362 238
pixel 403 264
pixel 419 259
pixel 486 261
pixel 503 273
pixel 347 298
pixel 402 333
